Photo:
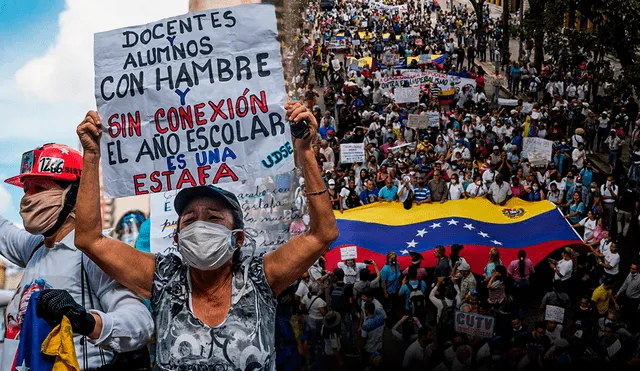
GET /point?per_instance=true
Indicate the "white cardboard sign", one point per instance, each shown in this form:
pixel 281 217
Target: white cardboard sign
pixel 192 100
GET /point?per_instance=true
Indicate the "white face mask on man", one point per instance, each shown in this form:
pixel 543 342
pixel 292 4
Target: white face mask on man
pixel 206 246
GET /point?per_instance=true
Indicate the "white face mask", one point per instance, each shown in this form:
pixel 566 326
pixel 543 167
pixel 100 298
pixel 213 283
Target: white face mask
pixel 206 246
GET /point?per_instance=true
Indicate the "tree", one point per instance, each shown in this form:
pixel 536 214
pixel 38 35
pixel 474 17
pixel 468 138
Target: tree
pixel 615 34
pixel 477 7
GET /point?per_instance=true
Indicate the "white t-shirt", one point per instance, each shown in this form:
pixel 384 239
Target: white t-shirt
pixel 613 259
pixel 302 290
pixel 351 274
pixel 475 190
pixel 344 193
pixel 313 305
pixel 589 227
pixel 414 356
pixel 565 267
pixel 604 245
pixel 455 191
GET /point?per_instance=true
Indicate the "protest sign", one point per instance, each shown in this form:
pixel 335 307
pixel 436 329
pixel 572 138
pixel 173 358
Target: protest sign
pixel 507 102
pixel 365 24
pixel 351 152
pixel 390 59
pixel 397 149
pixel 349 252
pixel 553 313
pixel 418 121
pixel 434 119
pixel 355 42
pixel 192 100
pixel 537 150
pixel 614 348
pixel 407 95
pixel 266 205
pixel 474 324
pixel 438 80
pixel 164 222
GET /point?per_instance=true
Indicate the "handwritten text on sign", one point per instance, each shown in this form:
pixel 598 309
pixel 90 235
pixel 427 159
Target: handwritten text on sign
pixel 266 207
pixel 192 100
pixel 474 324
pixel 538 146
pixel 351 152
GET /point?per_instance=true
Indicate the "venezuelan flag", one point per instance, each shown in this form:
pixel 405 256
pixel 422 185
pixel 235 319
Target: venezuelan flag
pixel 446 96
pixel 340 36
pixel 530 127
pixel 479 225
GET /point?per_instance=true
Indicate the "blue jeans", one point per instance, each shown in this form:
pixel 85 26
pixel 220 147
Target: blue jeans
pixel 613 156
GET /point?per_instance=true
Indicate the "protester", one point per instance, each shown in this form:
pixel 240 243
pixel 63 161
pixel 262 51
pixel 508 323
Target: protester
pixel 101 311
pixel 210 237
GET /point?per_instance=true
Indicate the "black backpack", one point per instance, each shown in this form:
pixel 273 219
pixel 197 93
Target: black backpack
pixel 417 300
pixel 339 299
pixel 447 315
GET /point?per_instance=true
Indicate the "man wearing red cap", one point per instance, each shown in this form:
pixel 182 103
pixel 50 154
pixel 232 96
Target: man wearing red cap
pixel 71 284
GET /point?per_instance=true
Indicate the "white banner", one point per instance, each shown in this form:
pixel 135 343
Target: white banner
pixel 538 149
pixel 507 102
pixel 418 121
pixel 407 95
pixel 474 324
pixel 438 80
pixel 267 205
pixel 349 252
pixel 351 152
pixel 192 100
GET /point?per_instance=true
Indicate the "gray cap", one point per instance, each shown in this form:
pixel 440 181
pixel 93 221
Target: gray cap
pixel 189 194
pixel 464 266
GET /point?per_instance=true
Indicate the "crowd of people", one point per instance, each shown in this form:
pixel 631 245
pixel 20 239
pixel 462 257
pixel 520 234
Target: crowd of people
pixel 360 312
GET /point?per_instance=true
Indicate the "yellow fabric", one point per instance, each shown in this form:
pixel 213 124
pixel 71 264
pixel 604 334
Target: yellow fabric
pixel 411 59
pixel 601 297
pixel 59 343
pixel 476 208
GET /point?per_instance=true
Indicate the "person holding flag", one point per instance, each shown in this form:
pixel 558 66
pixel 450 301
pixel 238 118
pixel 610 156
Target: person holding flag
pixel 215 308
pixel 71 285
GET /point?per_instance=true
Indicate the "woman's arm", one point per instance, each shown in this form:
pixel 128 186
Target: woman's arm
pixel 112 256
pixel 289 261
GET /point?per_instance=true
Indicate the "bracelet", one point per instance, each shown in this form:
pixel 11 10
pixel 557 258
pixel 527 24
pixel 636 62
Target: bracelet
pixel 315 193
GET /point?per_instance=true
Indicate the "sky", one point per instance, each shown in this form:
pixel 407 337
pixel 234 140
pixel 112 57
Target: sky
pixel 46 72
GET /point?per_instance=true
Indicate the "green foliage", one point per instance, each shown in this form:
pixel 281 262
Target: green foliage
pixel 613 40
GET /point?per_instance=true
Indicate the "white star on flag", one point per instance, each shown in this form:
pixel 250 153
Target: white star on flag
pixel 64 150
pixel 469 226
pixel 411 244
pixel 22 367
pixel 435 225
pixel 404 252
pixel 452 222
pixel 485 235
pixel 497 242
pixel 421 232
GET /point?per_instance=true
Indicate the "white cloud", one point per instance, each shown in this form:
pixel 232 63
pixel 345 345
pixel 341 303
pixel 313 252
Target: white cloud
pixel 64 73
pixel 5 199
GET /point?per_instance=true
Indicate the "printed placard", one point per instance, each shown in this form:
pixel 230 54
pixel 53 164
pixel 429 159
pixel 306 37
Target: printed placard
pixel 192 100
pixel 474 324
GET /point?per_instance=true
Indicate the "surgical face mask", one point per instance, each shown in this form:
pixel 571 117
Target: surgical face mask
pixel 478 183
pixel 535 188
pixel 206 246
pixel 40 211
pixel 332 186
pixel 454 181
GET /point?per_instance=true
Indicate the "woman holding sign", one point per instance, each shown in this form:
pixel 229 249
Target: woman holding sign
pixel 216 307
